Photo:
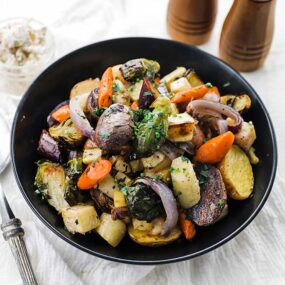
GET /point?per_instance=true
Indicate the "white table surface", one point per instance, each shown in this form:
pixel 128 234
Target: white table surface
pixel 256 256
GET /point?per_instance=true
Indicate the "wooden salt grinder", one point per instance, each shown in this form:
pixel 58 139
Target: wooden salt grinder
pixel 191 21
pixel 247 33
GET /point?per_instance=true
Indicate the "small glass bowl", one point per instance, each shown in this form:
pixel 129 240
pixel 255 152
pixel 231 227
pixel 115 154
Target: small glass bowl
pixel 14 80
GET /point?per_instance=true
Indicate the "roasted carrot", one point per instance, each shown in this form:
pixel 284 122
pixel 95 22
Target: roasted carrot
pixel 106 89
pixel 190 94
pixel 94 173
pixel 215 149
pixel 214 90
pixel 187 226
pixel 61 114
pixel 135 105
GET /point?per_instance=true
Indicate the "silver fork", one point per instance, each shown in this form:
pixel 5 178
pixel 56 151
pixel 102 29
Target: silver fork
pixel 13 233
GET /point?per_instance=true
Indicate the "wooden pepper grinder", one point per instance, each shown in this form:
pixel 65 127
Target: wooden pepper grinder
pixel 247 33
pixel 191 21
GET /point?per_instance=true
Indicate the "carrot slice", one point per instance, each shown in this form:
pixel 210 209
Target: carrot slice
pixel 61 114
pixel 190 94
pixel 215 149
pixel 106 89
pixel 135 105
pixel 94 173
pixel 187 226
pixel 214 90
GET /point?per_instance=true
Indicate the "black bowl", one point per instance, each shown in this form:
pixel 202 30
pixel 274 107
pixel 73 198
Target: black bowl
pixel 53 86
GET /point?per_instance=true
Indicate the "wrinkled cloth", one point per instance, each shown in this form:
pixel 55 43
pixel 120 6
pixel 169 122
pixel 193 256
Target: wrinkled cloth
pixel 255 256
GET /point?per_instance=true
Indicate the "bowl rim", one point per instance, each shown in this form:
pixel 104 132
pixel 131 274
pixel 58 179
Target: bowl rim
pixel 166 260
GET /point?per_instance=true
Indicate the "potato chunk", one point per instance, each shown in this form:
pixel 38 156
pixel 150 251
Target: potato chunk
pixel 237 173
pixel 111 230
pixel 185 183
pixel 80 218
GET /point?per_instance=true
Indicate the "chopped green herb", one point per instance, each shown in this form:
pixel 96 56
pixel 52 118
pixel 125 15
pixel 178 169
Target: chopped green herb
pixel 185 159
pixel 115 87
pixel 105 135
pixel 99 111
pixel 147 93
pixel 221 202
pixel 209 85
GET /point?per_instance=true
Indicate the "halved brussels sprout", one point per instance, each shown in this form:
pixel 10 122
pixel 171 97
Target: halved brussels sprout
pixel 66 131
pixel 50 183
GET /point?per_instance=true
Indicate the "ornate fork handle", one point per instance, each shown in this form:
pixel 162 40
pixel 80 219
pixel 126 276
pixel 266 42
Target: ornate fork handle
pixel 13 233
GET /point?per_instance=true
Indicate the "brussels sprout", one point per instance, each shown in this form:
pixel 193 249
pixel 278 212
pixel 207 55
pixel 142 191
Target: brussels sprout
pixel 50 183
pixel 71 193
pixel 67 132
pixel 143 203
pixel 138 68
pixel 151 132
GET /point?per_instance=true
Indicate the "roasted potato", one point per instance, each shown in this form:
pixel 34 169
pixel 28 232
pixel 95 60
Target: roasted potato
pixel 178 72
pixel 213 197
pixel 90 155
pixel 85 86
pixel 179 85
pixel 113 231
pixel 185 183
pixel 146 239
pixel 237 173
pixel 108 186
pixel 153 160
pixel 80 218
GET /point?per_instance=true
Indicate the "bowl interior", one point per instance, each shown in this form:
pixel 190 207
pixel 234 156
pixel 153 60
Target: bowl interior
pixel 53 86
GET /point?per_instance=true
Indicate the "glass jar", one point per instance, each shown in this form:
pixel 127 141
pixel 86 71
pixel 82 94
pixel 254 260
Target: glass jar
pixel 15 79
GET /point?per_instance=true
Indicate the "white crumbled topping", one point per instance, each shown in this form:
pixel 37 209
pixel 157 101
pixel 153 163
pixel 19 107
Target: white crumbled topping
pixel 21 43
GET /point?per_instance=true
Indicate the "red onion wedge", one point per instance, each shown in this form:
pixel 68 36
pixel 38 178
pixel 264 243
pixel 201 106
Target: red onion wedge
pixel 77 104
pixel 168 201
pixel 204 107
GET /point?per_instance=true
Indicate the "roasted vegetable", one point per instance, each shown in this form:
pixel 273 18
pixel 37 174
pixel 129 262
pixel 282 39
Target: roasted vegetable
pixel 181 127
pixel 120 164
pixel 179 85
pixel 168 201
pixel 138 68
pixel 147 94
pixel 119 199
pixel 145 238
pixel 114 128
pixel 80 218
pixel 150 133
pixel 84 87
pixel 143 203
pixel 92 105
pixel 134 90
pixel 122 180
pixel 68 133
pixel 49 148
pixel 51 120
pixel 71 193
pixel 94 173
pixel 108 186
pixel 237 174
pixel 185 183
pixel 102 202
pixel 213 198
pixel 90 155
pixel 193 78
pixel 153 160
pixel 187 226
pixel 178 72
pixel 252 156
pixel 111 230
pixel 163 91
pixel 50 183
pixel 120 94
pixel 239 103
pixel 246 136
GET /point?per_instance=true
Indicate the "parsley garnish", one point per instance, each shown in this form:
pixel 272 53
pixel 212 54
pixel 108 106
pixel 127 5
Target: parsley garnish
pixel 221 202
pixel 147 93
pixel 105 135
pixel 209 85
pixel 185 159
pixel 99 111
pixel 115 87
